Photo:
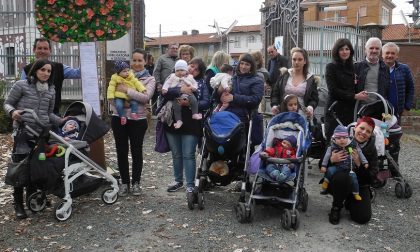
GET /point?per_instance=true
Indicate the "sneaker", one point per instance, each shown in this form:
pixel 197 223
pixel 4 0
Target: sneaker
pixel 123 190
pixel 334 216
pixel 123 120
pixel 175 186
pixel 136 190
pixel 190 189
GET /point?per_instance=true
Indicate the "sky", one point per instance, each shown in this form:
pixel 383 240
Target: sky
pixel 185 15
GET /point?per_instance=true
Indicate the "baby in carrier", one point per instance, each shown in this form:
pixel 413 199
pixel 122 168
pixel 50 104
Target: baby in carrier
pixel 222 80
pixel 70 129
pixel 340 141
pixel 285 148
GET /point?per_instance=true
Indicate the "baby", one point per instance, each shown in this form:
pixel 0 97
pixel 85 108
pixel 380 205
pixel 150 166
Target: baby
pixel 341 141
pixel 222 80
pixel 70 129
pixel 125 76
pixel 177 79
pixel 285 148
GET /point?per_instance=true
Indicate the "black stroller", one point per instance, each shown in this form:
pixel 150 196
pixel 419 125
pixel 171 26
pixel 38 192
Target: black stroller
pixel 387 137
pixel 224 155
pixel 69 172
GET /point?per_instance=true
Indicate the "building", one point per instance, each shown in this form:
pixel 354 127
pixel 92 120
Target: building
pixel 355 12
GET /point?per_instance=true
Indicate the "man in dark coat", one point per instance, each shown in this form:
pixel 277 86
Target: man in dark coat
pixel 275 62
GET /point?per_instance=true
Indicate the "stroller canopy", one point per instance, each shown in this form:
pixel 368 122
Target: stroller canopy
pixel 222 124
pixel 92 127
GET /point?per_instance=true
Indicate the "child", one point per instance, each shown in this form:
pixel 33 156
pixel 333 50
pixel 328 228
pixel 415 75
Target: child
pixel 70 129
pixel 341 141
pixel 285 148
pixel 224 81
pixel 177 79
pixel 290 104
pixel 125 76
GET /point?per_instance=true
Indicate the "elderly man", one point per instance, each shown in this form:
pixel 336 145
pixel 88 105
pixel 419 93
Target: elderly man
pixel 276 62
pixel 42 50
pixel 163 68
pixel 401 86
pixel 372 74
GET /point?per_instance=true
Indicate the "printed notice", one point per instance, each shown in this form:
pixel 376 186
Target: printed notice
pixel 89 71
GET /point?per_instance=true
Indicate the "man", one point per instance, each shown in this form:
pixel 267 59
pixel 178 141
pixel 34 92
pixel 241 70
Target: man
pixel 372 74
pixel 401 86
pixel 42 50
pixel 163 68
pixel 276 62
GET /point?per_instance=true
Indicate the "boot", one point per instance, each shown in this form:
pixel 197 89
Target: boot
pixel 18 203
pixel 334 216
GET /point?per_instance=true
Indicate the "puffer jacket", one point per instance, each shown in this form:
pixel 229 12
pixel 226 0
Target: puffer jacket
pixel 366 176
pixel 26 96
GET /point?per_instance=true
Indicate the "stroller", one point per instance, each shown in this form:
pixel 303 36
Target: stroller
pixel 266 190
pixel 68 173
pixel 387 137
pixel 223 156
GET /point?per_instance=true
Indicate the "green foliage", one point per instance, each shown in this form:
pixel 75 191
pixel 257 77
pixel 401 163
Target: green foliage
pixel 83 20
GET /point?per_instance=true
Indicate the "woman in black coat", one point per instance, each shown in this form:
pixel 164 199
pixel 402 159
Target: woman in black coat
pixel 340 77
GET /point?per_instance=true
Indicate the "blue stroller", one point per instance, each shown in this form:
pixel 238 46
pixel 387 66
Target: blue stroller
pixel 290 193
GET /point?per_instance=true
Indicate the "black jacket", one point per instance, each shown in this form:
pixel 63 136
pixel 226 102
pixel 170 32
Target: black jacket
pixel 279 62
pixel 361 69
pixel 366 176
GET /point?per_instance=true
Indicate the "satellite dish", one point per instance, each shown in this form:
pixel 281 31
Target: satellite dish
pixel 230 27
pixel 405 19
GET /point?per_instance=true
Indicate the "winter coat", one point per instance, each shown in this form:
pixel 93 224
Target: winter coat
pixel 26 96
pixel 277 63
pixel 361 70
pixel 403 79
pixel 163 68
pixel 280 152
pixel 131 81
pixel 366 176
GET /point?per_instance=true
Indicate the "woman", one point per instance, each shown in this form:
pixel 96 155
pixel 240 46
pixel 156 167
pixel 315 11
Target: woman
pixel 340 77
pixel 183 141
pixel 150 63
pixel 219 58
pixel 340 186
pixel 186 52
pixel 247 89
pixel 132 133
pixel 36 92
pixel 263 73
pixel 298 81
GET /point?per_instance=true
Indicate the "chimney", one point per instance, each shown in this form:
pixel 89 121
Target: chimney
pixel 194 32
pixel 184 33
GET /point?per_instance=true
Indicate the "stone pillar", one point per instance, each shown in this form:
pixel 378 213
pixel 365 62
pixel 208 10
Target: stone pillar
pixel 374 30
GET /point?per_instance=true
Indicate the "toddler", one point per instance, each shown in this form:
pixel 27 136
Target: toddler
pixel 177 79
pixel 290 104
pixel 125 76
pixel 285 148
pixel 340 141
pixel 70 129
pixel 222 80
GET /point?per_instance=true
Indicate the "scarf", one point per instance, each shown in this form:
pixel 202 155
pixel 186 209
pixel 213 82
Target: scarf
pixel 41 86
pixel 142 74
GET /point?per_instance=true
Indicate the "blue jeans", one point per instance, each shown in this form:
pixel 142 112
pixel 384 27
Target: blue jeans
pixel 280 173
pixel 354 182
pixel 183 156
pixel 119 105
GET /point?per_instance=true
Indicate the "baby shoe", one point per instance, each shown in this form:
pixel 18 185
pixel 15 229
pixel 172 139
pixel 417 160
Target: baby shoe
pixel 357 197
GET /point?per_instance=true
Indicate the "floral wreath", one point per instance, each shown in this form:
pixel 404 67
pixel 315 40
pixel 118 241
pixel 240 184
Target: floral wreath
pixel 83 20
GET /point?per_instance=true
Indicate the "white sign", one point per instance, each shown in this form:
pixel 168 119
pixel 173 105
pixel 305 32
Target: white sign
pixel 278 44
pixel 89 71
pixel 118 49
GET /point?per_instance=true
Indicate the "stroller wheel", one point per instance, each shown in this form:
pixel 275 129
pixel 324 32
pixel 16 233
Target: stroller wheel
pixel 408 191
pixel 251 211
pixel 378 184
pixel 399 190
pixel 202 184
pixel 295 219
pixel 286 219
pixel 62 211
pixel 37 201
pixel 304 200
pixel 190 199
pixel 109 197
pixel 240 212
pixel 200 200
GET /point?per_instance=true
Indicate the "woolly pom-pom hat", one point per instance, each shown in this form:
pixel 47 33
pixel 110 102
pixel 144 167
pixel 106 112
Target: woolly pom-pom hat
pixel 120 65
pixel 340 131
pixel 181 65
pixel 292 140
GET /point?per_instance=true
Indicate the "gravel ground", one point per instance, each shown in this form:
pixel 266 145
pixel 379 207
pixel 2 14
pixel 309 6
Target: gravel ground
pixel 161 221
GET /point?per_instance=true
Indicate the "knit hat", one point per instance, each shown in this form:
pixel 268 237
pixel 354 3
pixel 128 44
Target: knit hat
pixel 367 120
pixel 120 65
pixel 292 140
pixel 73 121
pixel 340 131
pixel 181 65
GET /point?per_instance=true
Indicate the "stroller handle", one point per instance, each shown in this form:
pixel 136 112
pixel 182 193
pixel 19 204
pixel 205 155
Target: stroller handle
pixel 356 112
pixel 35 116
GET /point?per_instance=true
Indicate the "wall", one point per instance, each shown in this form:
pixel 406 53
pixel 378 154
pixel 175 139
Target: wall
pixel 408 56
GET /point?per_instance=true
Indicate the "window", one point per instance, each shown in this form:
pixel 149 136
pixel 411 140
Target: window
pixel 8 5
pixel 251 39
pixel 363 11
pixel 237 42
pixel 385 16
pixel 10 61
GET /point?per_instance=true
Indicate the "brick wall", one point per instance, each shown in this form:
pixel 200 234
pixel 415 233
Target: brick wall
pixel 409 55
pixel 411 124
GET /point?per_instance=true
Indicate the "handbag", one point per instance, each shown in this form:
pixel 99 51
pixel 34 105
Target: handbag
pixel 17 174
pixel 257 131
pixel 161 145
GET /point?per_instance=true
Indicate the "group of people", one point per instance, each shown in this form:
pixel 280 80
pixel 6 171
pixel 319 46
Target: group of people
pixel 187 87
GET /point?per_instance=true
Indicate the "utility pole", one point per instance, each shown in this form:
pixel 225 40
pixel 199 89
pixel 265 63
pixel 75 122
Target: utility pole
pixel 138 26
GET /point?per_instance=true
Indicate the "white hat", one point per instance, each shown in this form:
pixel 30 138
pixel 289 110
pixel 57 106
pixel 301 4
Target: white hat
pixel 181 65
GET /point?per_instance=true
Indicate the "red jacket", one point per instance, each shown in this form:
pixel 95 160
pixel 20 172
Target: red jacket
pixel 280 152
